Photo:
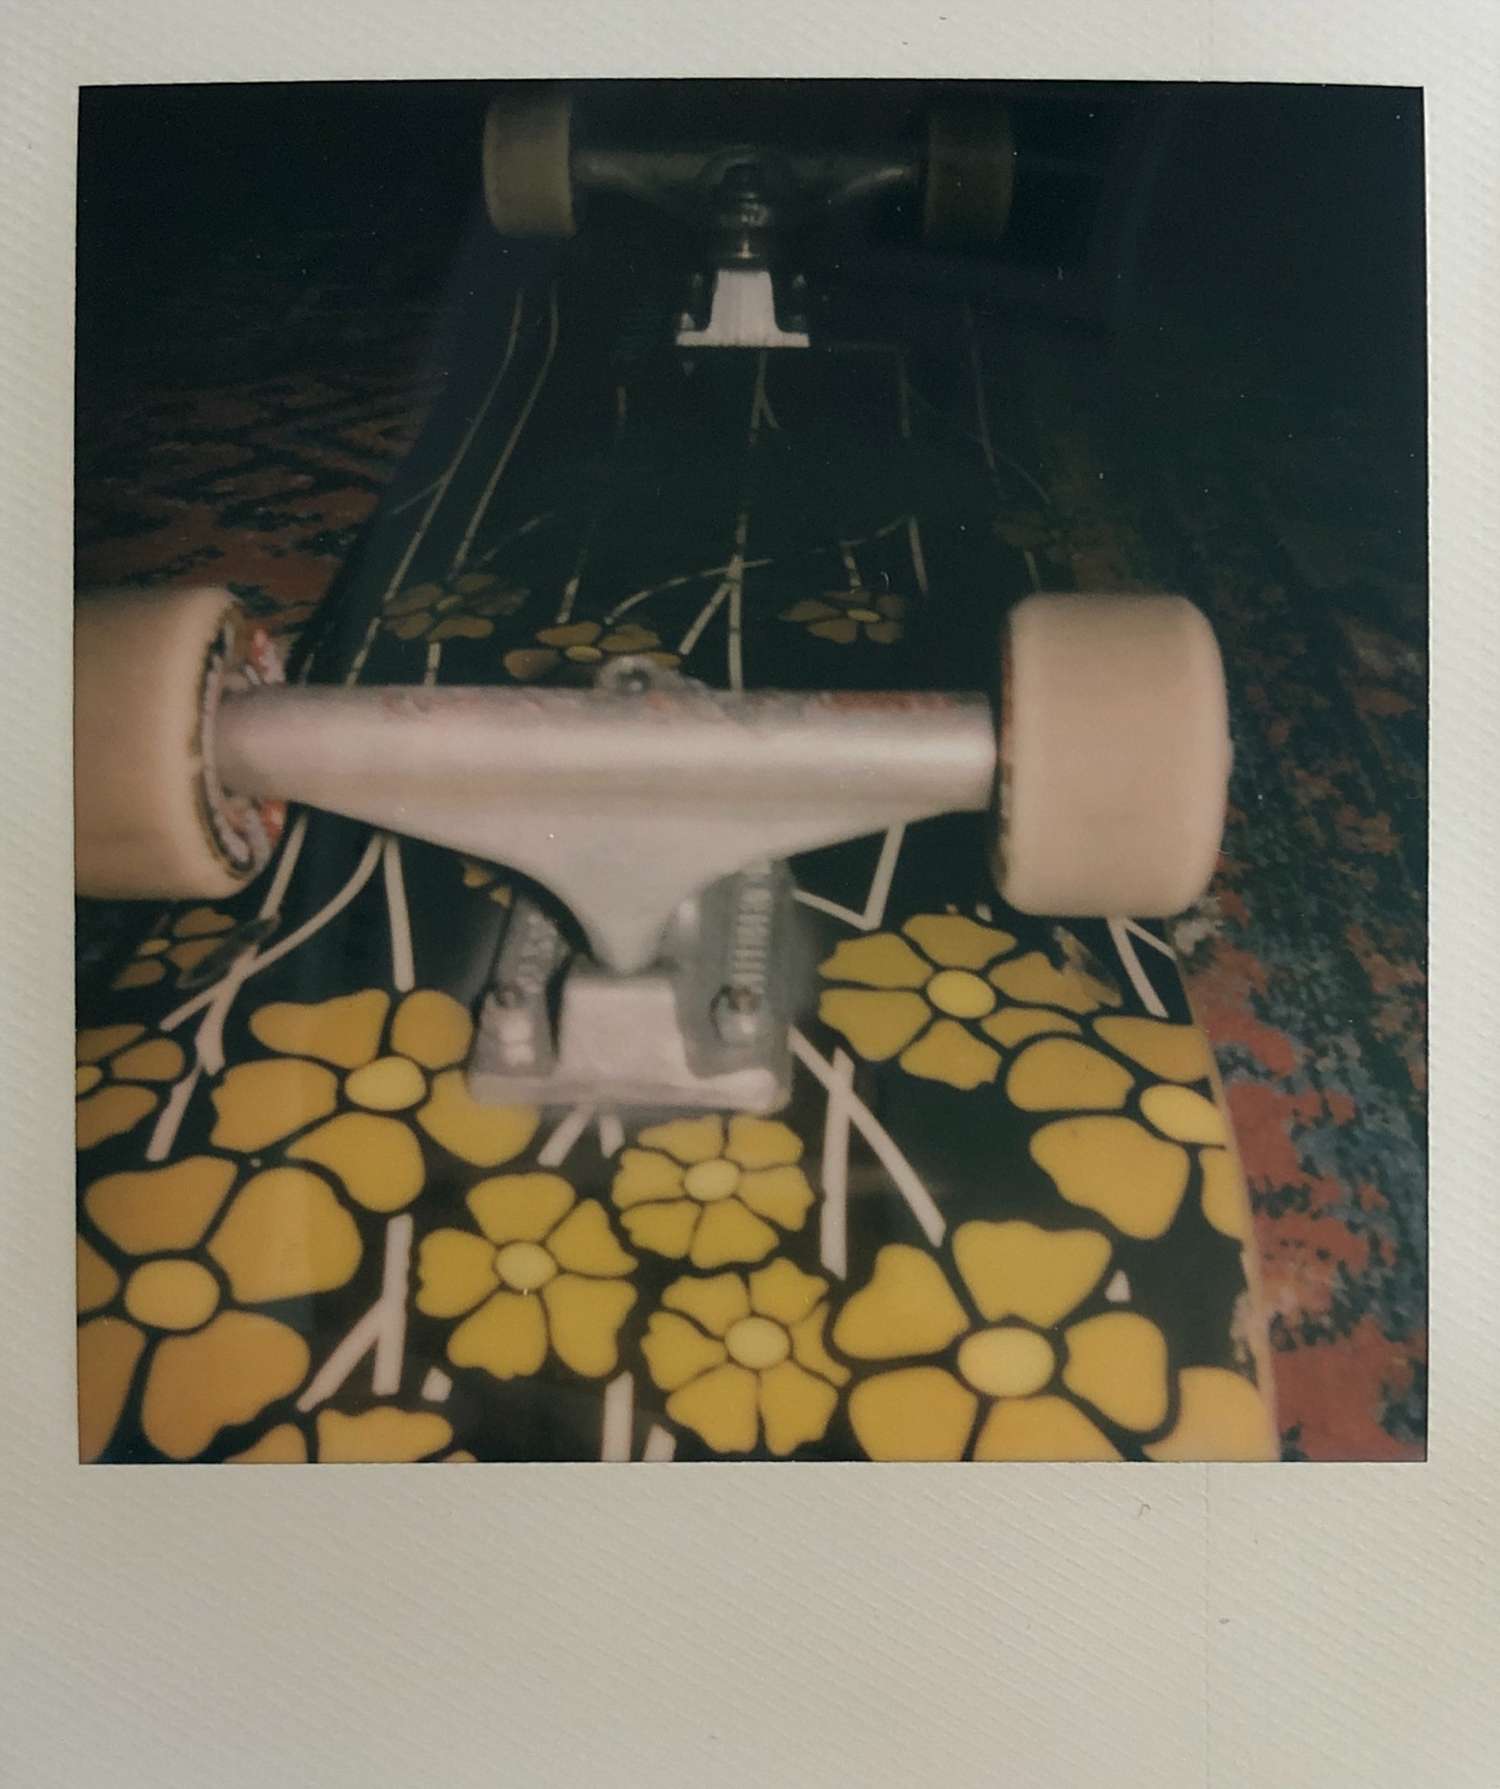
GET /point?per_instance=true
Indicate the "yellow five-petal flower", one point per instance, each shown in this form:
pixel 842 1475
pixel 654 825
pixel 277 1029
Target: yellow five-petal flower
pixel 1035 1382
pixel 543 1270
pixel 713 1192
pixel 743 1359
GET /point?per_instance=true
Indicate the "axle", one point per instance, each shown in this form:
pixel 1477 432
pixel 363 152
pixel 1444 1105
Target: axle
pixel 624 803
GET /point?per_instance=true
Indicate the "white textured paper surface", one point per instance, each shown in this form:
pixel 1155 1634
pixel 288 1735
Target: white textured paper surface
pixel 775 1626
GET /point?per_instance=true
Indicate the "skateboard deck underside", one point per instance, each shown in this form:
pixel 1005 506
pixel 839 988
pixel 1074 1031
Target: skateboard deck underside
pixel 1001 1216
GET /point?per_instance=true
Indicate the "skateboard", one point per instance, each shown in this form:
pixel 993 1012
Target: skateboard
pixel 673 967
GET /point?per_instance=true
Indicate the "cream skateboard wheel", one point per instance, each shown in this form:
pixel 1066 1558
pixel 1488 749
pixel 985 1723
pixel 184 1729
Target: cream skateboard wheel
pixel 1114 756
pixel 150 818
pixel 970 177
pixel 528 185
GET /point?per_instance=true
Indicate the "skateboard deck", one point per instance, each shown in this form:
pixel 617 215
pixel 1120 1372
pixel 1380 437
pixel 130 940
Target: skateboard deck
pixel 1001 1216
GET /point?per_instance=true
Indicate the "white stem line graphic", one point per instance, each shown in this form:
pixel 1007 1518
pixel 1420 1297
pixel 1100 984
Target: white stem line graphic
pixel 918 560
pixel 883 532
pixel 372 633
pixel 164 1135
pixel 285 864
pixel 706 614
pixel 832 908
pixel 403 969
pixel 436 1386
pixel 383 1328
pixel 885 872
pixel 390 1341
pixel 611 1134
pixel 1137 930
pixel 1118 1289
pixel 362 873
pixel 880 887
pixel 554 1152
pixel 529 526
pixel 1021 473
pixel 734 576
pixel 570 589
pixel 833 1234
pixel 416 497
pixel 208 1043
pixel 760 407
pixel 492 485
pixel 619 1418
pixel 736 634
pixel 982 411
pixel 981 408
pixel 637 597
pixel 1125 949
pixel 580 565
pixel 851 567
pixel 439 490
pixel 732 587
pixel 903 1176
pixel 660 1445
pixel 1032 571
pixel 434 663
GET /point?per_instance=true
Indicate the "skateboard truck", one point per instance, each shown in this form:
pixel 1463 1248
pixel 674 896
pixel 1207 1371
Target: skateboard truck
pixel 752 207
pixel 659 812
pixel 749 205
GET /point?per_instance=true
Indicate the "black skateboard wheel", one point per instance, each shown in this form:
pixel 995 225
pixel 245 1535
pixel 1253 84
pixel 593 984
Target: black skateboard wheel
pixel 969 178
pixel 527 163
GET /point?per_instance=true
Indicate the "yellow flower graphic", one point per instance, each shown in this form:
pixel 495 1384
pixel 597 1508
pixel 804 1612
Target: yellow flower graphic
pixel 585 643
pixel 350 1075
pixel 179 1300
pixel 694 1188
pixel 188 944
pixel 460 610
pixel 385 1434
pixel 945 991
pixel 1133 1169
pixel 845 616
pixel 1034 1381
pixel 487 877
pixel 117 1078
pixel 741 1359
pixel 544 1271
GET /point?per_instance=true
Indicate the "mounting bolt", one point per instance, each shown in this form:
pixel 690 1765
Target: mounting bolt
pixel 736 1012
pixel 511 1025
pixel 634 674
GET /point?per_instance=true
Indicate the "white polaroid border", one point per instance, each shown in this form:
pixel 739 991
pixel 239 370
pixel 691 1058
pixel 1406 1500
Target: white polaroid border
pixel 740 1625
